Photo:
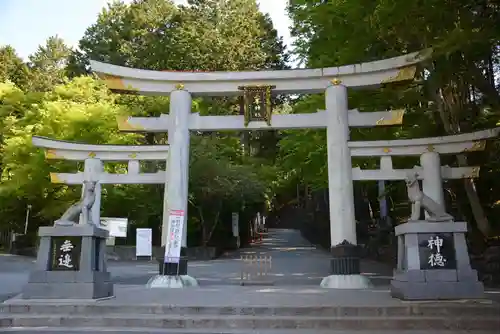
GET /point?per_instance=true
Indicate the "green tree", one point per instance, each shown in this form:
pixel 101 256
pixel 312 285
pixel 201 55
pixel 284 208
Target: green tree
pixel 48 64
pixel 81 110
pixel 457 91
pixel 207 35
pixel 12 67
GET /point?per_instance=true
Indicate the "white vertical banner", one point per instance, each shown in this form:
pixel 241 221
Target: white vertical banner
pixel 235 223
pixel 144 242
pixel 174 239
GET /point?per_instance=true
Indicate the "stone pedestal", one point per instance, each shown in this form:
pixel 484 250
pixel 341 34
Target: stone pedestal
pixel 71 264
pixel 433 263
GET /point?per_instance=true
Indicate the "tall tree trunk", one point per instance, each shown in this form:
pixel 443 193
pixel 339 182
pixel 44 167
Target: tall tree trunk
pixel 449 107
pixel 212 230
pixel 203 225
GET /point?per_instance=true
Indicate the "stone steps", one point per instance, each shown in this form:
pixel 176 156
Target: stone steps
pixel 420 316
pixel 129 330
pixel 418 309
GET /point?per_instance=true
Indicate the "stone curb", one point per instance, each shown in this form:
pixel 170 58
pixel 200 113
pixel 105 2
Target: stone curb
pixel 115 330
pixel 253 322
pixel 419 310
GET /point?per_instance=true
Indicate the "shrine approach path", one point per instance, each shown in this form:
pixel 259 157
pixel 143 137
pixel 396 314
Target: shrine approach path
pixel 295 261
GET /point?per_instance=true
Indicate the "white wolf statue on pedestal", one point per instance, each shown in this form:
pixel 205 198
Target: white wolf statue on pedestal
pixel 420 200
pixel 72 215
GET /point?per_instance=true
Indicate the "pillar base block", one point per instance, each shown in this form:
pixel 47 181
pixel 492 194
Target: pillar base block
pixel 345 268
pixel 346 282
pixel 173 269
pixel 171 282
pixel 345 259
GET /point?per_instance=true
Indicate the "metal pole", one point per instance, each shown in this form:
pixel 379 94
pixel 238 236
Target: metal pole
pixel 27 219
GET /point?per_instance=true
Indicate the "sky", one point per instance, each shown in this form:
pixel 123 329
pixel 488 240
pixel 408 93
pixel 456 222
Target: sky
pixel 25 24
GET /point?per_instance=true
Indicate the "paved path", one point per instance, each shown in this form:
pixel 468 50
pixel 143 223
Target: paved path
pixel 13 274
pixel 295 263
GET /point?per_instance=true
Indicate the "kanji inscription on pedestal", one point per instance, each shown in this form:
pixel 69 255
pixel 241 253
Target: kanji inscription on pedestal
pixel 65 253
pixel 437 251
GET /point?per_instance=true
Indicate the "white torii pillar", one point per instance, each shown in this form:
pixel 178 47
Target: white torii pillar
pixel 174 275
pixel 432 183
pixel 176 187
pixel 345 261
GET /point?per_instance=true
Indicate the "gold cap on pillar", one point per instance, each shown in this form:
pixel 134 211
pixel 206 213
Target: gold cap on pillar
pixel 179 86
pixel 336 81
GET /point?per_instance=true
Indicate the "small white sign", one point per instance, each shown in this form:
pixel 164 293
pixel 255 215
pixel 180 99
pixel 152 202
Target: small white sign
pixel 174 239
pixel 144 242
pixel 117 227
pixel 235 220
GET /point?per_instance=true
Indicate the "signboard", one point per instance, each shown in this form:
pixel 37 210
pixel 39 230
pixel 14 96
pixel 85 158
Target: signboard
pixel 117 227
pixel 174 239
pixel 235 223
pixel 144 242
pixel 437 251
pixel 65 253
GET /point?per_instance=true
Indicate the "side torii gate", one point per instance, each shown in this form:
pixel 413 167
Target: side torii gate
pixel 94 156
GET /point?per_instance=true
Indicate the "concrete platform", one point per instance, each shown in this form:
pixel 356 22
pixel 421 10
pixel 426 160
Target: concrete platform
pixel 219 309
pixel 129 330
pixel 254 296
pixel 295 304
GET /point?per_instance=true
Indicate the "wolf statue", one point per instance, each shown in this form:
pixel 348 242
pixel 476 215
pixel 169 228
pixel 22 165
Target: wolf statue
pixel 420 200
pixel 83 207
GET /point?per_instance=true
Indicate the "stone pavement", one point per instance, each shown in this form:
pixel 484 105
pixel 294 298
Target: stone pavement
pixel 295 261
pixel 67 330
pixel 13 274
pixel 294 304
pixel 235 309
pixel 134 296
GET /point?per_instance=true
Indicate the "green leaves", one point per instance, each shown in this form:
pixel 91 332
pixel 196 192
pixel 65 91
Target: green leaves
pixel 81 110
pixel 207 36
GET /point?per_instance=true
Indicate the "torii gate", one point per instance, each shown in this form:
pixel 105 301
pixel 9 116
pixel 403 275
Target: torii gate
pixel 93 157
pixel 336 119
